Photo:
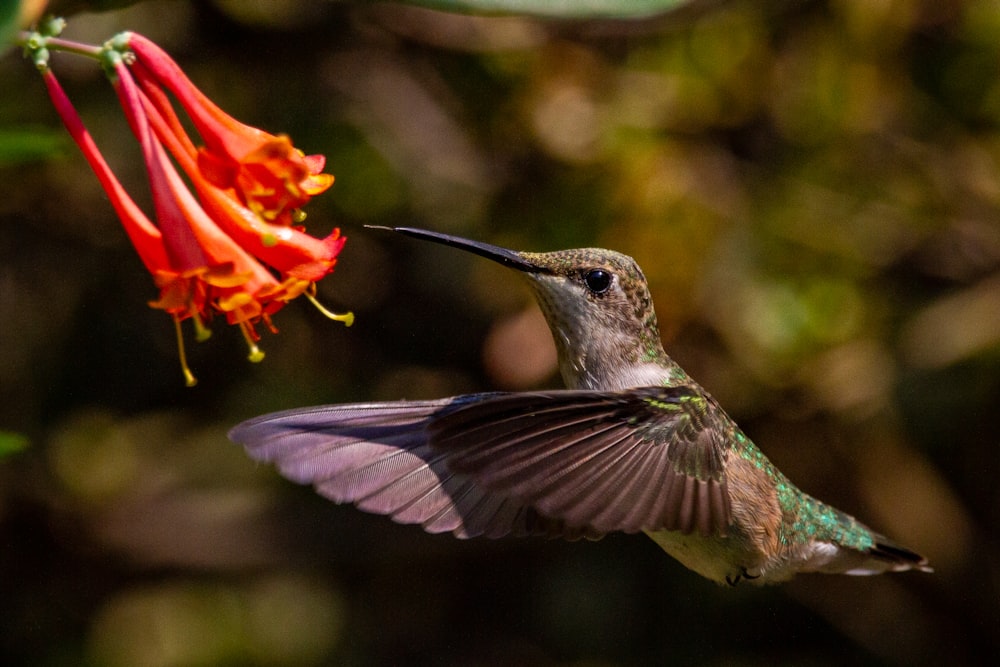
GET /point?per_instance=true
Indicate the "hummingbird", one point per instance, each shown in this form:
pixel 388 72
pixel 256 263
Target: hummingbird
pixel 632 445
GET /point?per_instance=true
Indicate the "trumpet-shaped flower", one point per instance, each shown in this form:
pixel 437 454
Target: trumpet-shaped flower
pixel 267 173
pixel 222 241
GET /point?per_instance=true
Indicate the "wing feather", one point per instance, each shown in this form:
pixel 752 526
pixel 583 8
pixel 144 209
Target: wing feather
pixel 576 455
pixel 561 463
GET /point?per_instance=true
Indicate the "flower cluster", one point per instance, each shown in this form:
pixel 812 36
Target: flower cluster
pixel 225 240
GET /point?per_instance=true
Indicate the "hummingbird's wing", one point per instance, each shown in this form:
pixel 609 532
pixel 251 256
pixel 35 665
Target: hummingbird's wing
pixel 562 463
pixel 378 457
pixel 650 458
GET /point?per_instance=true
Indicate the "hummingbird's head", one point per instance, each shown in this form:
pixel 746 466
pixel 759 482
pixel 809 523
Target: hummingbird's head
pixel 591 294
pixel 596 302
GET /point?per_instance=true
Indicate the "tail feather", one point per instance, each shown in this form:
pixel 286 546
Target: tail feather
pixel 848 546
pixel 897 557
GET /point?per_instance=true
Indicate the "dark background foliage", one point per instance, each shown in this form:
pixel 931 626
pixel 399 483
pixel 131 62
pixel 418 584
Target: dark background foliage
pixel 811 187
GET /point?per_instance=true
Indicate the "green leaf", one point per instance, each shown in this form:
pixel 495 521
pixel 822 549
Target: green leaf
pixel 12 443
pixel 9 12
pixel 19 145
pixel 567 9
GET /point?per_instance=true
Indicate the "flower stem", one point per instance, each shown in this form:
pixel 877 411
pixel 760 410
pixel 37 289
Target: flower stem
pixel 34 40
pixel 70 46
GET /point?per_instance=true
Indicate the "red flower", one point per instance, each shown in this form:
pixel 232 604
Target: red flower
pixel 228 246
pixel 267 173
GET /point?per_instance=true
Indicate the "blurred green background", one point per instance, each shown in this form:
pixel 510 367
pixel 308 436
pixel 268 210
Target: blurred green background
pixel 812 188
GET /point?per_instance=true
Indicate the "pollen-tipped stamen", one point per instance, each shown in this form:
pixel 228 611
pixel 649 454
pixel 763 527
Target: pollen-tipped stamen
pixel 347 318
pixel 201 332
pixel 256 355
pixel 189 379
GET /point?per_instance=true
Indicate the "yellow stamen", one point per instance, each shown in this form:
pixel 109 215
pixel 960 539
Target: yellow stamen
pixel 256 354
pixel 347 318
pixel 189 379
pixel 201 332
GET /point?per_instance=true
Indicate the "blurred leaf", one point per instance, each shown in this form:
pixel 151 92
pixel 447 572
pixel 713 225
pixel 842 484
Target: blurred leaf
pixel 12 443
pixel 567 9
pixel 17 13
pixel 9 11
pixel 29 144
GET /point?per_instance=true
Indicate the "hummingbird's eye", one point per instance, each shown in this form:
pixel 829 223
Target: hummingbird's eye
pixel 598 280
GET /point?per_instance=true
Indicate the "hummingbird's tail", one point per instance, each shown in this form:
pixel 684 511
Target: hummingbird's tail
pixel 888 556
pixel 861 551
pixel 840 544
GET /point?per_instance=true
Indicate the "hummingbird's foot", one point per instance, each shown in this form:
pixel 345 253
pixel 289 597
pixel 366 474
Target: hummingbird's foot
pixel 732 581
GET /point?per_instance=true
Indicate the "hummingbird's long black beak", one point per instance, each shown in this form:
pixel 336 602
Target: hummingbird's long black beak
pixel 508 258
